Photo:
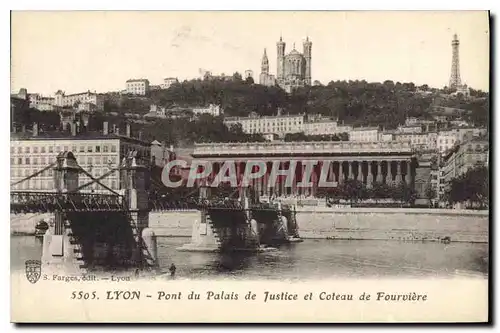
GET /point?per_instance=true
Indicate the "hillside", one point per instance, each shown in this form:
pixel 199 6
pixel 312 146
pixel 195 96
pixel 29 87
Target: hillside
pixel 386 104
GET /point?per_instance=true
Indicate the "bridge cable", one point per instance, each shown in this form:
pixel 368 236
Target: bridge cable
pixel 99 178
pixel 34 175
pixel 97 181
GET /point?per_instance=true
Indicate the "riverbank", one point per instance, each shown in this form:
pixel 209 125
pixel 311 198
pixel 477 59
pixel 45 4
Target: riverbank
pixel 404 224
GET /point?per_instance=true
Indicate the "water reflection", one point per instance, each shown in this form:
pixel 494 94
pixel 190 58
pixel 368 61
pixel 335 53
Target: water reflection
pixel 310 259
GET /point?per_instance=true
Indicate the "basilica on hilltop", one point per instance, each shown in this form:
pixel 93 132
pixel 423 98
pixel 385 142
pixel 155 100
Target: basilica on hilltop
pixel 293 69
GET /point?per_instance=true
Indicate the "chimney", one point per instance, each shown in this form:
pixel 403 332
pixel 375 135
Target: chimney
pixel 35 129
pixel 128 130
pixel 73 129
pixel 105 130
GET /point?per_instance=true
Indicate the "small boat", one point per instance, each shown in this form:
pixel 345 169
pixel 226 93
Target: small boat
pixel 40 228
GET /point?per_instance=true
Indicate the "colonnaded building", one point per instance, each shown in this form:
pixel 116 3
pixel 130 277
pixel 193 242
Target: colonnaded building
pixel 369 162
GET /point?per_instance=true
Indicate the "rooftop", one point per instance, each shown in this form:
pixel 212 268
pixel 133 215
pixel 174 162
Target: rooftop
pixel 263 117
pixel 28 136
pixel 137 80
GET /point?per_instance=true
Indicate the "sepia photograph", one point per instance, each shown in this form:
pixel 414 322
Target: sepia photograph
pixel 305 166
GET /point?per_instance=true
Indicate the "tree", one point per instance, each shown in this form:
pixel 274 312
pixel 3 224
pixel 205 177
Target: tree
pixel 404 193
pixel 237 77
pixel 249 80
pixel 353 190
pixel 471 187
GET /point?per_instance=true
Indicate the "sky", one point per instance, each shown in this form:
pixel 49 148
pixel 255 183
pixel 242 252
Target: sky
pixel 99 50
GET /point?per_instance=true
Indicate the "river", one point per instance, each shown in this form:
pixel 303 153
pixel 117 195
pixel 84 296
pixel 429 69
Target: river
pixel 311 259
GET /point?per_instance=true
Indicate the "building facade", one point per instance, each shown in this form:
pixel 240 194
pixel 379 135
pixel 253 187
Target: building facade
pixel 364 134
pixel 97 153
pixel 86 101
pixel 167 82
pixel 137 86
pixel 280 125
pixel 463 157
pixel 387 162
pixel 294 68
pixel 41 103
pixel 212 109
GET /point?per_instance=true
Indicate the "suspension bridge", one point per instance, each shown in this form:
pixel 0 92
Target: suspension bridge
pixel 111 229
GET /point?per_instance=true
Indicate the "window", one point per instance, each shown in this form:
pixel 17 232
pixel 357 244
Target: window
pixel 42 149
pixel 113 184
pixel 89 160
pixel 12 161
pixel 35 160
pixel 20 160
pixel 27 160
pixel 89 149
pixel 19 150
pixel 113 148
pixel 27 149
pixel 35 150
pixel 105 148
pixel 51 149
pixel 73 149
pixel 82 149
pixel 58 149
pixel 12 150
pixel 98 160
pixel 97 149
pixel 66 148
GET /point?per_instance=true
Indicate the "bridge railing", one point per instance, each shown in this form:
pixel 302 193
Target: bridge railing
pixel 34 202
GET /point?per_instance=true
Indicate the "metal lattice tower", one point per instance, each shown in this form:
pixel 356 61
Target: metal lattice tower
pixel 455 64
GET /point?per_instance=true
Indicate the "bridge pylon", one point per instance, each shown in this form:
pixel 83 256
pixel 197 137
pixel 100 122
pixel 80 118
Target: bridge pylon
pixel 59 252
pixel 134 184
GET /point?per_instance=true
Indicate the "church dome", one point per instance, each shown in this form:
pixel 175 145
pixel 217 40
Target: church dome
pixel 294 54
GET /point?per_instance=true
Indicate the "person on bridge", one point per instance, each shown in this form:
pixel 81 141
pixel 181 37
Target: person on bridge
pixel 172 270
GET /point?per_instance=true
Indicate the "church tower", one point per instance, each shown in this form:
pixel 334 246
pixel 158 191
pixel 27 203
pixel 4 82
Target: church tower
pixel 264 69
pixel 307 55
pixel 280 75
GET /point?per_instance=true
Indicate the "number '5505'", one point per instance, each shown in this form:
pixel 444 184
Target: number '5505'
pixel 83 295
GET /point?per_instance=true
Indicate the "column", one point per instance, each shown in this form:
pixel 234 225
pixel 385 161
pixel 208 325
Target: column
pixel 280 181
pixel 341 175
pixel 380 179
pixel 360 172
pixel 388 179
pixel 350 176
pixel 314 181
pixel 268 177
pixel 398 172
pixel 369 175
pixel 331 173
pixel 408 176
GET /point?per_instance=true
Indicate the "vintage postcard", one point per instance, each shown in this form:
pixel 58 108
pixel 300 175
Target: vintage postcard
pixel 235 167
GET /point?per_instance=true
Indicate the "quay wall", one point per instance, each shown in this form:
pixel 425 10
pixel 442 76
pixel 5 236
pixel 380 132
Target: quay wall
pixel 341 223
